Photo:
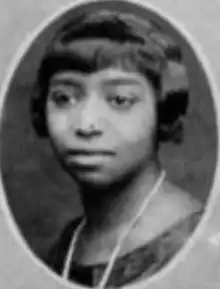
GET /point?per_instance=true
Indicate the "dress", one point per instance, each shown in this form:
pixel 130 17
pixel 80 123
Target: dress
pixel 137 265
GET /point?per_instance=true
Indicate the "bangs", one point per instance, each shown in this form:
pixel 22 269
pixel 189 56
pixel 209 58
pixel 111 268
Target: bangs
pixel 105 40
pixel 104 53
pixel 91 55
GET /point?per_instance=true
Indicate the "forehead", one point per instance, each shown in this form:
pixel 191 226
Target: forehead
pixel 112 76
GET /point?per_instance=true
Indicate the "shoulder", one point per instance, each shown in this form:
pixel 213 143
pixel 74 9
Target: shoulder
pixel 179 214
pixel 171 207
pixel 58 251
pixel 180 203
pixel 181 210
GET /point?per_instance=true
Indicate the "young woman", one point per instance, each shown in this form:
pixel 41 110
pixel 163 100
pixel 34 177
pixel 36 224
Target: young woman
pixel 100 100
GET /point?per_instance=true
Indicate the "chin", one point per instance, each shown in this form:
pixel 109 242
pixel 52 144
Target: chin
pixel 101 181
pixel 93 179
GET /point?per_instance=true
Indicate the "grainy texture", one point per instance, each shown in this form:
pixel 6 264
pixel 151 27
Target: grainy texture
pixel 42 203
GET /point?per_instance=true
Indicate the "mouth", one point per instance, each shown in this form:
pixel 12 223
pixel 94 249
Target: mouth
pixel 88 157
pixel 90 152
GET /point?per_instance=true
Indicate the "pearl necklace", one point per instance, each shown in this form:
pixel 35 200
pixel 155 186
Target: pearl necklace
pixel 122 238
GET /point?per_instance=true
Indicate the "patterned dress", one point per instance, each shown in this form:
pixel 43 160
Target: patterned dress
pixel 139 264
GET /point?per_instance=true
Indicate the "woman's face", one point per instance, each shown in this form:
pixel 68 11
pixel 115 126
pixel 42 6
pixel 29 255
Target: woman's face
pixel 101 124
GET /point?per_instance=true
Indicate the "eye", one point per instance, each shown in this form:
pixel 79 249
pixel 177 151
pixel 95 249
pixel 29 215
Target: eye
pixel 62 98
pixel 120 101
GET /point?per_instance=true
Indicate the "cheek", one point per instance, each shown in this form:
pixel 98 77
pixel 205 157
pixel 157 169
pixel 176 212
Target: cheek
pixel 137 126
pixel 58 125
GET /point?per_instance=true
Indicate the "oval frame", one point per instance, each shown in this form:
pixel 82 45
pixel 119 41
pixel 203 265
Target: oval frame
pixel 180 29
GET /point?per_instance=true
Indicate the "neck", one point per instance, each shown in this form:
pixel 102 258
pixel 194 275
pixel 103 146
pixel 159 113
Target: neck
pixel 110 209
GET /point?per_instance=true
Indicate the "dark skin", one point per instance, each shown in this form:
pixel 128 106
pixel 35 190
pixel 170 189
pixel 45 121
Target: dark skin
pixel 112 110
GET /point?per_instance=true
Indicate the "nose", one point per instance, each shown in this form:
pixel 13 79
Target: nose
pixel 89 119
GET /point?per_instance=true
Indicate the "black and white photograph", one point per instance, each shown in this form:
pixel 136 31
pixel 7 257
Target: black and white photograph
pixel 108 145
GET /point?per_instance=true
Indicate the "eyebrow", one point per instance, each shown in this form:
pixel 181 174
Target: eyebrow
pixel 107 82
pixel 123 81
pixel 66 81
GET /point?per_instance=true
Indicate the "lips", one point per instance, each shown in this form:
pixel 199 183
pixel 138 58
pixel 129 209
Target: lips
pixel 90 152
pixel 88 157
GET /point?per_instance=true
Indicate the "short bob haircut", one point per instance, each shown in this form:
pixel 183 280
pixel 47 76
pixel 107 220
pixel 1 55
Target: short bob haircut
pixel 102 39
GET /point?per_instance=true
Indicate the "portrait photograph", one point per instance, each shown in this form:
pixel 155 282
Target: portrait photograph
pixel 108 145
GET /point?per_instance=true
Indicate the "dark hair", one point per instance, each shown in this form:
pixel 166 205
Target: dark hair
pixel 94 41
